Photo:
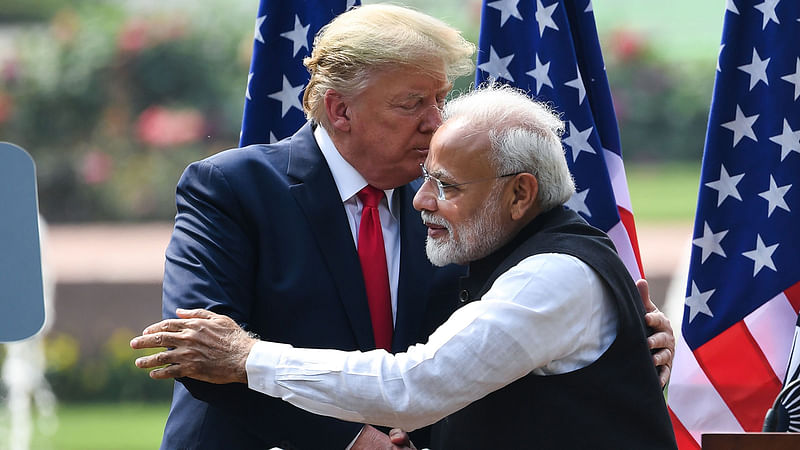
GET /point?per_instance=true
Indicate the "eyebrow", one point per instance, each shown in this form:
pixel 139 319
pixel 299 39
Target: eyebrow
pixel 419 94
pixel 440 173
pixel 409 96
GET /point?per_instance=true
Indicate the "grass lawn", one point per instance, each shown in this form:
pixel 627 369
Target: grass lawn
pixel 663 192
pixel 119 426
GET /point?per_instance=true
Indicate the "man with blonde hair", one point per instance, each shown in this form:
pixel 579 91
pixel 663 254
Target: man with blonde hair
pixel 549 350
pixel 271 235
pixel 268 234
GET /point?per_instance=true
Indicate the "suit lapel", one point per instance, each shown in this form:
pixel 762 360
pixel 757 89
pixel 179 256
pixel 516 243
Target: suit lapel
pixel 415 272
pixel 318 197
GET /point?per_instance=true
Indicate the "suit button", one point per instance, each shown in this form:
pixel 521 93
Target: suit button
pixel 463 296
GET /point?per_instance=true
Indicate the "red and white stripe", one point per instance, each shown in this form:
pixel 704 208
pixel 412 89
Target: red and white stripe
pixel 623 234
pixel 729 383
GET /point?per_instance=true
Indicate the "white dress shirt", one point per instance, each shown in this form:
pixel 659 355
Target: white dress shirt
pixel 349 182
pixel 549 314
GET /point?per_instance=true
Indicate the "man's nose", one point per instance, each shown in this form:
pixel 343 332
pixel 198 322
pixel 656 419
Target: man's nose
pixel 431 119
pixel 425 199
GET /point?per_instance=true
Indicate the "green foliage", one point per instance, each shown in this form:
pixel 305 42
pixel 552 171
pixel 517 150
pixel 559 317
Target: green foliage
pixel 16 11
pixel 113 99
pixel 662 107
pixel 113 103
pixel 111 376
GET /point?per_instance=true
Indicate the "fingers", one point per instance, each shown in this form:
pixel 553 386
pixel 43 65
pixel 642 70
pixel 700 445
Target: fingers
pixel 196 313
pixel 663 357
pixel 664 373
pixel 169 364
pixel 661 327
pixel 185 315
pixel 400 440
pixel 155 360
pixel 173 371
pixel 662 340
pixel 167 325
pixel 663 335
pixel 158 340
pixel 203 345
pixel 663 345
pixel 656 320
pixel 161 373
pixel 399 437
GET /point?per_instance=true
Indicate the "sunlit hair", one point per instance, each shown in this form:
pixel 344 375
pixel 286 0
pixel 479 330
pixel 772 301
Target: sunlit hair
pixel 525 136
pixel 374 37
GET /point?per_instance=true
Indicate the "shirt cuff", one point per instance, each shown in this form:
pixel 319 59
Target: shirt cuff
pixel 261 366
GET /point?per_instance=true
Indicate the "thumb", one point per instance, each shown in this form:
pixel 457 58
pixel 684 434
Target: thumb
pixel 644 292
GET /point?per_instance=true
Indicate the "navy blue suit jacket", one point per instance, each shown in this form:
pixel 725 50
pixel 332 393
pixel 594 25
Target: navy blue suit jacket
pixel 261 235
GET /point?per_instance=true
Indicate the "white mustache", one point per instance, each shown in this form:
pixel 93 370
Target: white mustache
pixel 428 218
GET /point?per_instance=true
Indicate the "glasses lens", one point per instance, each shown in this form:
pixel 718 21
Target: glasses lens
pixel 439 189
pixel 438 184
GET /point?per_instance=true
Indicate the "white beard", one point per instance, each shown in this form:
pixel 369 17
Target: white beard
pixel 477 237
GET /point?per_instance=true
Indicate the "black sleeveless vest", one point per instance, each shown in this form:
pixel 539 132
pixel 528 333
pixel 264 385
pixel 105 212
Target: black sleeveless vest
pixel 614 403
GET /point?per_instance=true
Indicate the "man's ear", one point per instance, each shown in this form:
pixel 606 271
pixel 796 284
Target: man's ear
pixel 336 108
pixel 525 190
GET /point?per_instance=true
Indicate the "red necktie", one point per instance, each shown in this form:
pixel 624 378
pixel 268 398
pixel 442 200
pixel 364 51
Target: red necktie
pixel 373 265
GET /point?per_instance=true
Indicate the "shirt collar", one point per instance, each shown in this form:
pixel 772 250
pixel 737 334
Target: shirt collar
pixel 348 180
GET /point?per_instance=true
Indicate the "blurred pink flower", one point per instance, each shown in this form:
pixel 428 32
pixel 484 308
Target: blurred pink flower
pixel 133 36
pixel 163 127
pixel 9 73
pixel 96 167
pixel 627 44
pixel 143 32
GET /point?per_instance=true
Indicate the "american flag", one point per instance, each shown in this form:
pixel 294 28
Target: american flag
pixel 551 50
pixel 284 33
pixel 743 294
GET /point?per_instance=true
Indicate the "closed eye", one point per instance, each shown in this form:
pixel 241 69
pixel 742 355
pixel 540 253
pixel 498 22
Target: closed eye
pixel 411 103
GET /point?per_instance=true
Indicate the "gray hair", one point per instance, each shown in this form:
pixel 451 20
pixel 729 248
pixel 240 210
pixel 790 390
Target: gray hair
pixel 374 37
pixel 525 136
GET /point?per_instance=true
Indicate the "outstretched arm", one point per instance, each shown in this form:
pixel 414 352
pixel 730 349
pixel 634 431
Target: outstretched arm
pixel 482 347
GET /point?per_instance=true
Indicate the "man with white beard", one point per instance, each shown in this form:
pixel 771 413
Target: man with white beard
pixel 549 349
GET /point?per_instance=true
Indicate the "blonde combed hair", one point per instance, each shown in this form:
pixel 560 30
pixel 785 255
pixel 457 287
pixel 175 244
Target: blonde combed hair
pixel 375 37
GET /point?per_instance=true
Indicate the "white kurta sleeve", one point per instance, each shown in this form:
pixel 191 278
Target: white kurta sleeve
pixel 550 313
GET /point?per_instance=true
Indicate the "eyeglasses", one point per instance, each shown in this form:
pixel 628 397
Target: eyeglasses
pixel 441 186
